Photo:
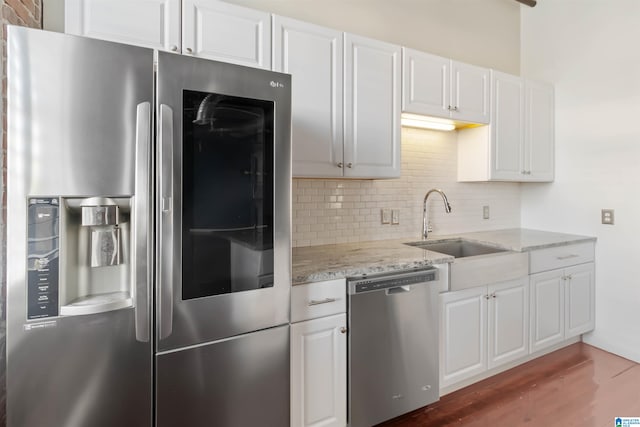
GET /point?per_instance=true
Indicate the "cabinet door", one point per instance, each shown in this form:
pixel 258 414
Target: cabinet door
pixel 580 299
pixel 313 56
pixel 372 108
pixel 425 83
pixel 319 372
pixel 547 309
pixel 507 127
pixel 148 23
pixel 463 319
pixel 470 92
pixel 539 131
pixel 225 32
pixel 508 333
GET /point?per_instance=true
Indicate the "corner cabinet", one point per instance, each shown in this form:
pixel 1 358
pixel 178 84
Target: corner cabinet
pixel 372 85
pixel 209 29
pixel 319 354
pixel 440 87
pixel 483 328
pixel 518 145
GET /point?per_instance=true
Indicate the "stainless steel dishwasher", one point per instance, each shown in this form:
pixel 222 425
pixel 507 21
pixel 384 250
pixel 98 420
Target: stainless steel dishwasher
pixel 393 344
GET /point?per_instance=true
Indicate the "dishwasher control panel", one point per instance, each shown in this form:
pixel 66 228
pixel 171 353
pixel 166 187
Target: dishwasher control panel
pixel 386 281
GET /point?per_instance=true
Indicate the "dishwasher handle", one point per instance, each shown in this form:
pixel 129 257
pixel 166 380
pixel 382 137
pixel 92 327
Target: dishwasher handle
pixel 398 290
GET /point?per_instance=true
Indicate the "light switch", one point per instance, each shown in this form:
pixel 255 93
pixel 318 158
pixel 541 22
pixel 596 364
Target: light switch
pixel 395 216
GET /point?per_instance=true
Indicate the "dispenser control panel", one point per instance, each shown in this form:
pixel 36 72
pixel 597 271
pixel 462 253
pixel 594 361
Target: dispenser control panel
pixel 43 257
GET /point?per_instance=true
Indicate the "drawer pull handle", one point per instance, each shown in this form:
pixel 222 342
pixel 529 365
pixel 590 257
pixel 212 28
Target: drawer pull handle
pixel 568 256
pixel 322 301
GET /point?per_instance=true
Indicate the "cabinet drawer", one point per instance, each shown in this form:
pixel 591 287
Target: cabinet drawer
pixel 561 256
pixel 318 299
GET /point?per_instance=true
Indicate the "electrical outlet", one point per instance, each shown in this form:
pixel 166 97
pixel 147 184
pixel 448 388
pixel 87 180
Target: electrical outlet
pixel 386 216
pixel 608 216
pixel 485 212
pixel 395 216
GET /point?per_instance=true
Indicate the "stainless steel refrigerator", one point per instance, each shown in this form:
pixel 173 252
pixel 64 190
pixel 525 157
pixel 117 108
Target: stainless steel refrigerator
pixel 148 237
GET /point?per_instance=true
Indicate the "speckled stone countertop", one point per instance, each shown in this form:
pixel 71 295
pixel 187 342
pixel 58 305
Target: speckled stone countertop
pixel 326 262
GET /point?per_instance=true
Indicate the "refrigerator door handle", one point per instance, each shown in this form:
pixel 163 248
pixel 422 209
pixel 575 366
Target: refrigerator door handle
pixel 142 221
pixel 165 285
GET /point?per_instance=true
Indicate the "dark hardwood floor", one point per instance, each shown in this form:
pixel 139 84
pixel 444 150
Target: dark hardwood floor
pixel 578 386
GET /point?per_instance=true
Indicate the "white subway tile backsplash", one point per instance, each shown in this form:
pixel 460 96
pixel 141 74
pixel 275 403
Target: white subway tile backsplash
pixel 327 211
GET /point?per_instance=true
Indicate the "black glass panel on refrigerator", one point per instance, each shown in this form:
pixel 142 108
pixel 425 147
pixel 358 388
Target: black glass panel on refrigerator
pixel 227 231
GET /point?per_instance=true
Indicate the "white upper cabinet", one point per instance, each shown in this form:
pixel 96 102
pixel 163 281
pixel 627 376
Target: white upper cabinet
pixel 439 87
pixel 507 127
pixel 209 29
pixel 425 83
pixel 372 108
pixel 518 145
pixel 470 92
pixel 149 23
pixel 539 131
pixel 313 55
pixel 221 31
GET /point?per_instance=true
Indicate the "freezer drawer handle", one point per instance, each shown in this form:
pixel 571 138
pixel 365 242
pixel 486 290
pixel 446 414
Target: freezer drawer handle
pixel 165 276
pixel 141 221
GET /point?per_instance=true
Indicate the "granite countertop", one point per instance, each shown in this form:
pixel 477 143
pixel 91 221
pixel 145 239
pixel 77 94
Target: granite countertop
pixel 326 262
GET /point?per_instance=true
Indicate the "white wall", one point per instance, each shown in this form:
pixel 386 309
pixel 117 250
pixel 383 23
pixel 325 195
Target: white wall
pixel 589 50
pixel 481 32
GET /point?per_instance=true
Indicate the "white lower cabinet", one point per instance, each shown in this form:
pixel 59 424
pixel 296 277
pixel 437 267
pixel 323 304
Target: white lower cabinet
pixel 562 304
pixel 463 323
pixel 319 357
pixel 482 328
pixel 508 334
pixel 547 309
pixel 579 295
pixel 319 372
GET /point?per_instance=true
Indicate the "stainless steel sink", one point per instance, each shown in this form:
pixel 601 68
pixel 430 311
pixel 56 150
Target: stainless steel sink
pixel 476 264
pixel 457 248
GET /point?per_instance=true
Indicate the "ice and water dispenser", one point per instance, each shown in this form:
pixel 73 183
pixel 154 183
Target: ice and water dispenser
pixel 79 256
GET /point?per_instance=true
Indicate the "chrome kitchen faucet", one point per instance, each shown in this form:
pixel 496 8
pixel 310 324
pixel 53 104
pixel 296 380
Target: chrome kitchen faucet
pixel 426 227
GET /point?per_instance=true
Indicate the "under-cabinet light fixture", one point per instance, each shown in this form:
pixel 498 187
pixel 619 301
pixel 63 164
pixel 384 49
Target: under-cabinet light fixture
pixel 422 122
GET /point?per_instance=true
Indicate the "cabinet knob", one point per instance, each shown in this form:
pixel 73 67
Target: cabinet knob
pixel 349 165
pixel 174 48
pixel 487 297
pixel 343 330
pixel 455 108
pixel 494 296
pixel 449 107
pixel 189 50
pixel 340 165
